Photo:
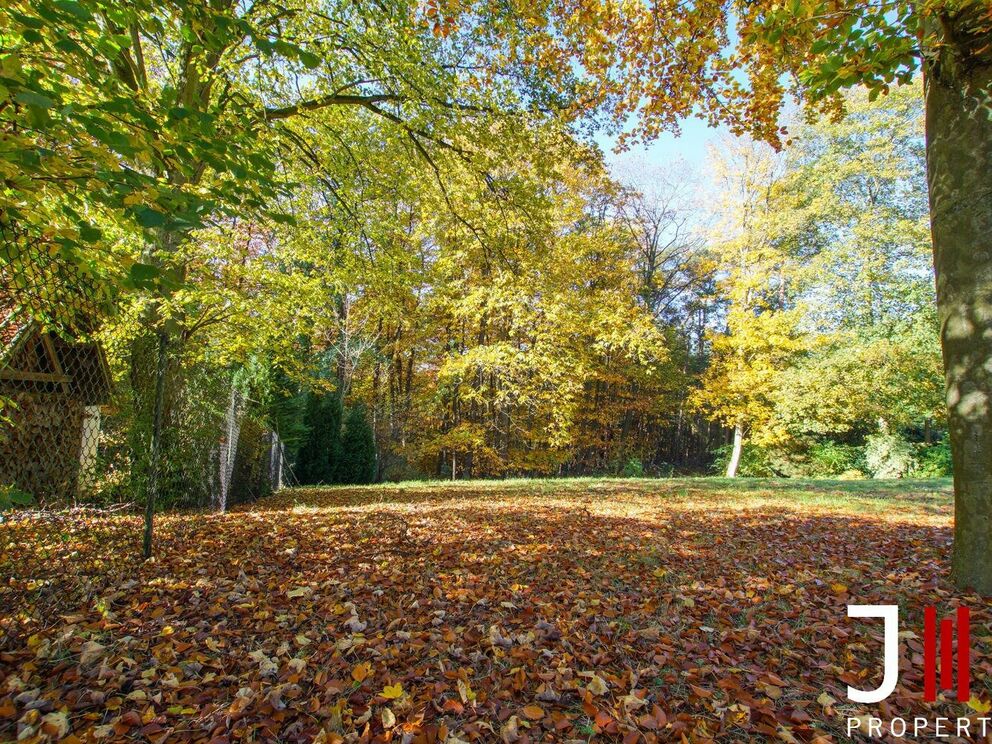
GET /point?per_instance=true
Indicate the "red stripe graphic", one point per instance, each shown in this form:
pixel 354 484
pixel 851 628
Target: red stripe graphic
pixel 964 654
pixel 930 654
pixel 946 654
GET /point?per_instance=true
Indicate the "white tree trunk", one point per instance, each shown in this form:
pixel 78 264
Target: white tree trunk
pixel 88 450
pixel 229 446
pixel 735 454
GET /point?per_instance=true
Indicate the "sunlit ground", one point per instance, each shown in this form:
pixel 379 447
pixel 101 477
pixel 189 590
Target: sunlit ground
pixel 632 610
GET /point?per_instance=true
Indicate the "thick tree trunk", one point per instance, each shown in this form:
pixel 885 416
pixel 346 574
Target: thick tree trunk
pixel 735 453
pixel 959 170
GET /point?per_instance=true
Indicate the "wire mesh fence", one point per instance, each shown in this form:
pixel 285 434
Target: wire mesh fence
pixel 76 404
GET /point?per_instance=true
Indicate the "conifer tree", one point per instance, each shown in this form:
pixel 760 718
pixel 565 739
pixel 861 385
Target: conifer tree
pixel 357 463
pixel 321 451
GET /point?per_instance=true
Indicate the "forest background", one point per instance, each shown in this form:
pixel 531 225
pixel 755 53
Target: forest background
pixel 403 287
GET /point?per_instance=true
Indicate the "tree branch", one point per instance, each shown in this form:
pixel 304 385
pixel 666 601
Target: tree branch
pixel 334 99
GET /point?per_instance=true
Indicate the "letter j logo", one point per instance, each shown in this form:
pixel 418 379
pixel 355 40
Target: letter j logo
pixel 960 646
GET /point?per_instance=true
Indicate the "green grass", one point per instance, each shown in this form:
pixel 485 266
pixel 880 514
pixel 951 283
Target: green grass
pixel 891 498
pixel 557 485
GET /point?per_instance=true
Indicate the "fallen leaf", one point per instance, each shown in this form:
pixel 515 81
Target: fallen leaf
pixel 533 712
pixel 90 652
pixel 360 672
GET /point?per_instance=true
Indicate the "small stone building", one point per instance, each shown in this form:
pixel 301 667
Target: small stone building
pixel 52 390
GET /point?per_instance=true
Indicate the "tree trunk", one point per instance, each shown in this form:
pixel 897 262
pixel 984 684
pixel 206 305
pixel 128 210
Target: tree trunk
pixel 155 454
pixel 959 172
pixel 169 240
pixel 735 454
pixel 229 447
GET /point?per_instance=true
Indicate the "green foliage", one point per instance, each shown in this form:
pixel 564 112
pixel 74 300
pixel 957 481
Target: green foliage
pixel 287 412
pixel 320 454
pixel 933 461
pixel 11 496
pixel 829 459
pixel 755 462
pixel 358 457
pixel 633 468
pixel 888 455
pixel 884 455
pixel 825 262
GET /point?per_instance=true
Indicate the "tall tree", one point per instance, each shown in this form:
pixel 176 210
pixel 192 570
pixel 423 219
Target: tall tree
pixel 854 191
pixel 757 276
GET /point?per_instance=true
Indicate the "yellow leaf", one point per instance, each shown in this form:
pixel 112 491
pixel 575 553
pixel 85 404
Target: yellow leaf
pixel 392 692
pixel 979 706
pixel 597 685
pixel 839 588
pixel 826 701
pixel 465 692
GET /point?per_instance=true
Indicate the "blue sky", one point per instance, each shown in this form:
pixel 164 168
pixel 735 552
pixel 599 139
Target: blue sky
pixel 637 164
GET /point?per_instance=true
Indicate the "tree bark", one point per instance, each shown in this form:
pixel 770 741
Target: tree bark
pixel 155 456
pixel 163 387
pixel 959 173
pixel 735 454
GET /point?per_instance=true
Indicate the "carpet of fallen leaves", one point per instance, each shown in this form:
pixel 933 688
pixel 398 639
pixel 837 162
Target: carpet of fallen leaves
pixel 610 611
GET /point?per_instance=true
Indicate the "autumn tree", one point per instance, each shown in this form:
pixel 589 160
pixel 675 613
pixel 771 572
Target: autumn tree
pixel 756 274
pixel 830 329
pixel 854 192
pixel 662 221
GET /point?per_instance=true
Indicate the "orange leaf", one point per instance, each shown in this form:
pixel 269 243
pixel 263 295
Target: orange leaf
pixel 772 691
pixel 534 712
pixel 361 672
pixel 453 706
